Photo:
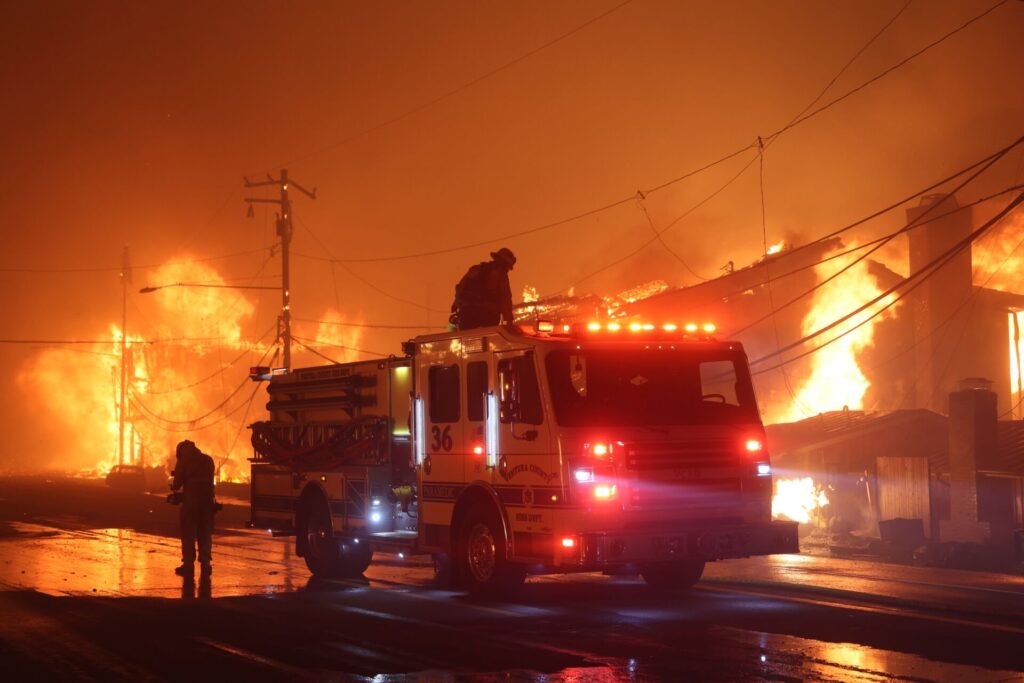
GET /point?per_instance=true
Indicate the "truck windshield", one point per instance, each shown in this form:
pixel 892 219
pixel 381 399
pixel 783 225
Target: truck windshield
pixel 616 387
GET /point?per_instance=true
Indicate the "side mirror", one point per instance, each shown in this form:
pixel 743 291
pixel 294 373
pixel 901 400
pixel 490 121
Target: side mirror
pixel 530 435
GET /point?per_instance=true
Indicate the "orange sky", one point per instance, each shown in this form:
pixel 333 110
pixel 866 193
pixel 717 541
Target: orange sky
pixel 134 123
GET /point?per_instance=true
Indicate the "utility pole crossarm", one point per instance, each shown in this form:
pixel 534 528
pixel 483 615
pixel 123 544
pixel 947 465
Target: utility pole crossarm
pixel 262 183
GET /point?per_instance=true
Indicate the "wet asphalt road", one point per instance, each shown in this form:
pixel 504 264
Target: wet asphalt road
pixel 87 599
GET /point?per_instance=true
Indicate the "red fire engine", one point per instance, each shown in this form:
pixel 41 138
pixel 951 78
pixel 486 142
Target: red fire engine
pixel 504 451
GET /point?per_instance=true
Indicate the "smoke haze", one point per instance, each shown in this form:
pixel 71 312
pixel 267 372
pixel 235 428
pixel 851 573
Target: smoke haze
pixel 133 123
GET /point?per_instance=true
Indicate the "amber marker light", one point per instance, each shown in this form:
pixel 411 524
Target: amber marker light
pixel 478 450
pixel 545 326
pixel 670 327
pixel 604 491
pixel 635 327
pixel 648 327
pixel 691 327
pixel 710 327
pixel 613 327
pixel 594 327
pixel 754 445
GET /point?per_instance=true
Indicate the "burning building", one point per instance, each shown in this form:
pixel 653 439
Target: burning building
pixel 870 417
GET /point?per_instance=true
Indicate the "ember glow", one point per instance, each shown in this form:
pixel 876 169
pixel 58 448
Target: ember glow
pixel 836 381
pixel 797 500
pixel 190 384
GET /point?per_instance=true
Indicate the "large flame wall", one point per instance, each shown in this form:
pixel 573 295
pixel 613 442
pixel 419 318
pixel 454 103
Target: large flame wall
pixel 191 383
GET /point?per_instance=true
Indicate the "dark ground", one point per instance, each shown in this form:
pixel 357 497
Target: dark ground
pixel 88 594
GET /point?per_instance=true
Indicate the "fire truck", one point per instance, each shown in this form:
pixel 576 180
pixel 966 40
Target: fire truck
pixel 505 451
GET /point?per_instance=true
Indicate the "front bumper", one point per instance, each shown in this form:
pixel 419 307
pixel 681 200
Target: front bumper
pixel 707 543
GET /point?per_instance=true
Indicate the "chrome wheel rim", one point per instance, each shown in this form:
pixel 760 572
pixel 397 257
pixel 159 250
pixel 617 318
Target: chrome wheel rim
pixel 481 550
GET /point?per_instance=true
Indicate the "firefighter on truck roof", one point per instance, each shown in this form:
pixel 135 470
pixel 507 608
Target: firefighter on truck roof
pixel 483 296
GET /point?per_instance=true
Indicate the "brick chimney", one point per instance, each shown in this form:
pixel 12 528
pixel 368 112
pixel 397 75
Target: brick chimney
pixel 972 445
pixel 940 297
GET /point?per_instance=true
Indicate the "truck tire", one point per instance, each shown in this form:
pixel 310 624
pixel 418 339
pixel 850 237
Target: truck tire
pixel 326 555
pixel 481 556
pixel 678 575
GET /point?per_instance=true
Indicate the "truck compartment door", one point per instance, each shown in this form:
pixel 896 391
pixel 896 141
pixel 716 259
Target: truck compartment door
pixel 273 502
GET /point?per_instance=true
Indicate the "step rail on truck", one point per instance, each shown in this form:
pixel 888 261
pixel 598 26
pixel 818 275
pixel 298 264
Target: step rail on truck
pixel 504 451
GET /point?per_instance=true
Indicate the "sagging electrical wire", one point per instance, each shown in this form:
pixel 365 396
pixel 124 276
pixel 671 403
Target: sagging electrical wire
pixel 230 364
pixel 880 243
pixel 340 346
pixel 914 281
pixel 737 152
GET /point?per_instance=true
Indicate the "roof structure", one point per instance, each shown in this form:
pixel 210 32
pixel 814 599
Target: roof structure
pixel 922 432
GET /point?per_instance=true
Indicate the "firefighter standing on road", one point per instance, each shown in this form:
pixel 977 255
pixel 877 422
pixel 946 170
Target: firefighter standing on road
pixel 483 296
pixel 193 477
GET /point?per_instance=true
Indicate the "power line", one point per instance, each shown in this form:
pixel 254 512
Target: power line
pixel 118 269
pixel 191 422
pixel 879 244
pixel 917 279
pixel 360 278
pixel 963 330
pixel 941 325
pixel 374 326
pixel 347 348
pixel 241 424
pixel 230 364
pixel 823 238
pixel 387 294
pixel 868 244
pixel 464 86
pixel 768 276
pixel 768 139
pixel 670 250
pixel 853 59
pixel 886 72
pixel 651 241
pixel 183 430
pixel 57 342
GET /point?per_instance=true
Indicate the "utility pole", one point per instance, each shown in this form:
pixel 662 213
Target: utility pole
pixel 126 278
pixel 284 231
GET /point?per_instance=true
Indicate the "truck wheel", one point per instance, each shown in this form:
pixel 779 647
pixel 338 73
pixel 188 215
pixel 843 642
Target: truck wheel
pixel 483 568
pixel 673 575
pixel 443 575
pixel 326 555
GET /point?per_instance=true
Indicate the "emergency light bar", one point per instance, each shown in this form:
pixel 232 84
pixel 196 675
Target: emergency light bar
pixel 260 373
pixel 622 330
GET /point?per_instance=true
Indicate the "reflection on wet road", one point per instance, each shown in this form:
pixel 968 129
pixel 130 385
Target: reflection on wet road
pixel 788 617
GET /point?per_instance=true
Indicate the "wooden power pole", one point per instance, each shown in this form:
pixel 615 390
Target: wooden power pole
pixel 284 232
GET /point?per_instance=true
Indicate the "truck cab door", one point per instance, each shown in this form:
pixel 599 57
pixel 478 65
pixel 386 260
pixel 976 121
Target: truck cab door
pixel 524 455
pixel 439 444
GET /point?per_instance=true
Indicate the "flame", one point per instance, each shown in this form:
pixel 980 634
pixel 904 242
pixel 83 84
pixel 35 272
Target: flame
pixel 835 380
pixel 1016 329
pixel 776 248
pixel 342 340
pixel 198 333
pixel 530 294
pixel 644 291
pixel 797 499
pixel 996 260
